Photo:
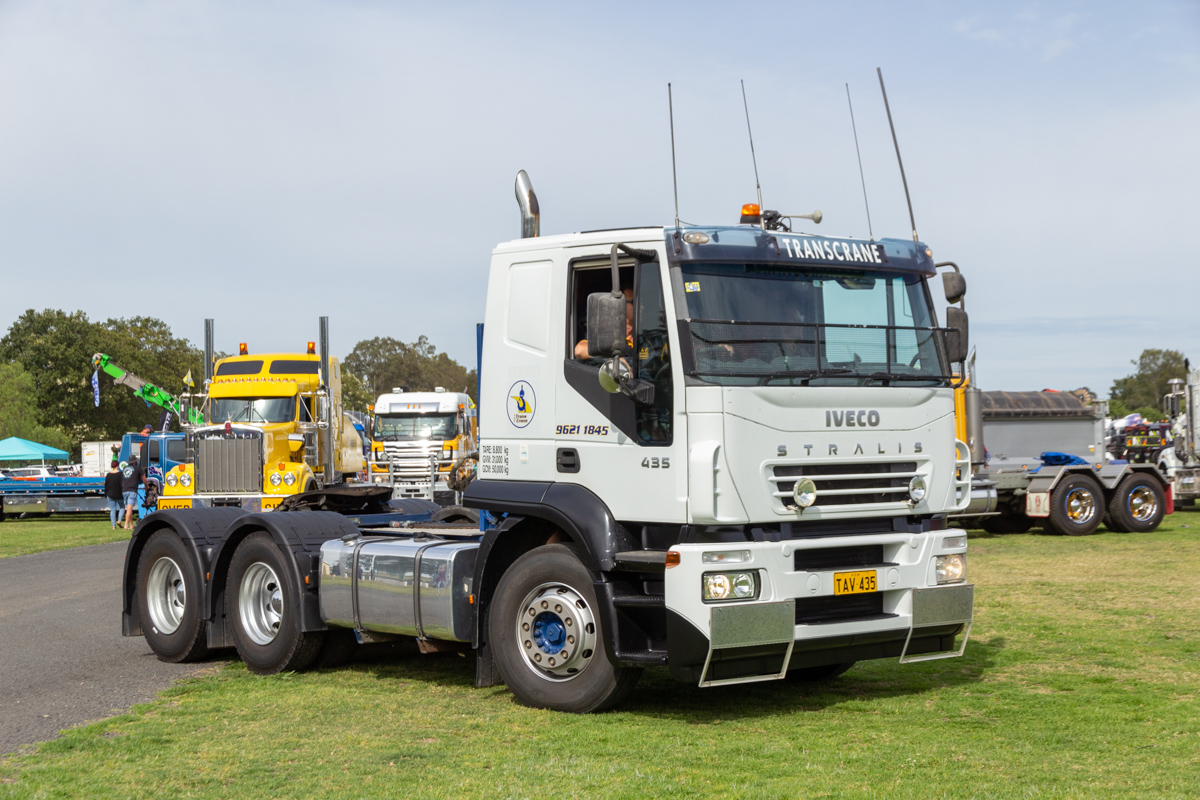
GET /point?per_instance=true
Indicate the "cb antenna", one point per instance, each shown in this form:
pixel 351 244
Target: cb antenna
pixel 857 152
pixel 753 160
pixel 912 221
pixel 674 176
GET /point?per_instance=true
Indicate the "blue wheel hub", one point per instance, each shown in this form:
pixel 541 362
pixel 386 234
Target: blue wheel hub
pixel 549 633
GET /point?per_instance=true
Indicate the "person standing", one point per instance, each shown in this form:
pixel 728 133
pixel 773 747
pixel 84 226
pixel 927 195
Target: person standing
pixel 112 493
pixel 131 479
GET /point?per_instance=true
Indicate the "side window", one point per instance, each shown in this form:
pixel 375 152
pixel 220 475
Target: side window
pixel 152 450
pixel 653 355
pixel 588 279
pixel 177 450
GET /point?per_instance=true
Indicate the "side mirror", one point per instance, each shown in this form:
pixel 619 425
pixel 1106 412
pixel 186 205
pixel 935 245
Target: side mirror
pixel 615 376
pixel 322 409
pixel 606 324
pixel 955 285
pixel 956 338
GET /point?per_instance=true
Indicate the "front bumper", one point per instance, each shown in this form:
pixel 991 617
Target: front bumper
pixel 798 620
pixel 249 502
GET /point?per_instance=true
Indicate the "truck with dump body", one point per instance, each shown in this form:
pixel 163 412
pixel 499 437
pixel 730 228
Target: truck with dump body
pixel 271 426
pixel 745 477
pixel 1041 456
pixel 418 436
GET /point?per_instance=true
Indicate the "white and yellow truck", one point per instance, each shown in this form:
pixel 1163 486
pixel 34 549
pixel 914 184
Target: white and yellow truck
pixel 416 437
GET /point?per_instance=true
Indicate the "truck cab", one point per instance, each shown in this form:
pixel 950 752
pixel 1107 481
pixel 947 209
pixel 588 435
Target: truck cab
pixel 268 420
pixel 415 432
pixel 758 473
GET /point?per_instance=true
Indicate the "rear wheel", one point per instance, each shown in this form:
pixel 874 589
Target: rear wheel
pixel 168 597
pixel 265 610
pixel 1076 506
pixel 1138 505
pixel 547 639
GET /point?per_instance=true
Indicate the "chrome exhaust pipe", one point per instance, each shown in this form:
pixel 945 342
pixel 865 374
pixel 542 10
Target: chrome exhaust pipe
pixel 530 213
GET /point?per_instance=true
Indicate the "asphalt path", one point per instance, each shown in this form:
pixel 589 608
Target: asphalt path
pixel 63 661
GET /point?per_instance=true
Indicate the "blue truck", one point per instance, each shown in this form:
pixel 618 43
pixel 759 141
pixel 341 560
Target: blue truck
pixel 159 452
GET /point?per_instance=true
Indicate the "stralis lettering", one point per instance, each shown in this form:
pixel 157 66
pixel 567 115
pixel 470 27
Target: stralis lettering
pixel 852 418
pixel 824 250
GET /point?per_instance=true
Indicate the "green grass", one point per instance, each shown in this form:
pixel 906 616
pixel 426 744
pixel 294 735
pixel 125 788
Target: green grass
pixel 20 537
pixel 1082 680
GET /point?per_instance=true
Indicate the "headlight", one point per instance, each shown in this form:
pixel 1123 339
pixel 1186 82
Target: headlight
pixel 917 489
pixel 171 479
pixel 951 568
pixel 289 478
pixel 275 479
pixel 804 492
pixel 185 480
pixel 717 586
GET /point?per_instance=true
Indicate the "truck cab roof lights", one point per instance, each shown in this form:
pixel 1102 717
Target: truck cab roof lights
pixel 751 214
pixel 312 348
pixel 243 350
pixel 696 237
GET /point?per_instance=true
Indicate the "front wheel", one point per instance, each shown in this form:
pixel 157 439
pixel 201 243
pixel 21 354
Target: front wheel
pixel 1076 506
pixel 1137 506
pixel 547 639
pixel 265 610
pixel 168 597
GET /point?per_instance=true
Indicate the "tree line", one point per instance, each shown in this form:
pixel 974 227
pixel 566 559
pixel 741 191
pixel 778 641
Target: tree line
pixel 46 374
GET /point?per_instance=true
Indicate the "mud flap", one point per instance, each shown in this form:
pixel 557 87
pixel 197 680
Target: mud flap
pixel 749 626
pixel 934 607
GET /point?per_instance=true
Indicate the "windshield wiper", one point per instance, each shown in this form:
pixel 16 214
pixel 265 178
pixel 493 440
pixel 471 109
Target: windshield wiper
pixel 903 376
pixel 804 373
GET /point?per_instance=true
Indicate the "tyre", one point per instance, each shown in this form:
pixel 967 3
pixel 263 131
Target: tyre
pixel 168 598
pixel 340 646
pixel 546 636
pixel 1076 506
pixel 1138 505
pixel 1006 523
pixel 264 605
pixel 825 672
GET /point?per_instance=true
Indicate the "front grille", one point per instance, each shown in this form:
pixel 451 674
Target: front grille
pixel 229 465
pixel 867 555
pixel 843 608
pixel 410 464
pixel 847 484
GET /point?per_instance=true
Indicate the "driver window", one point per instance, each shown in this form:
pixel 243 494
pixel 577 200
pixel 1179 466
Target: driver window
pixel 588 279
pixel 653 356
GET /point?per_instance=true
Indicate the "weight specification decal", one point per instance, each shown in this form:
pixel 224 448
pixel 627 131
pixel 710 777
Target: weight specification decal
pixel 493 459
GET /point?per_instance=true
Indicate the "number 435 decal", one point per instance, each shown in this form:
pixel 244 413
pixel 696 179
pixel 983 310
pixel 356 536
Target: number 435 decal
pixel 657 463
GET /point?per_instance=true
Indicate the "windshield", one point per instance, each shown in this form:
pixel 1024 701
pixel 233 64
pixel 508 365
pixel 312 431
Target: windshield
pixel 393 427
pixel 761 324
pixel 251 409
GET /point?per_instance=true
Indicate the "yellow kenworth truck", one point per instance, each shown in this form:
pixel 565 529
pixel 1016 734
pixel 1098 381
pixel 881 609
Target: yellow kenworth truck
pixel 273 427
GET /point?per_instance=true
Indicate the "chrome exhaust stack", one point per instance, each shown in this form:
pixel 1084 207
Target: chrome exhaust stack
pixel 530 213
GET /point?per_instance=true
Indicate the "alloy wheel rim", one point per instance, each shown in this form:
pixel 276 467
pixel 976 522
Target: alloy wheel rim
pixel 556 632
pixel 260 603
pixel 166 596
pixel 1143 505
pixel 1081 505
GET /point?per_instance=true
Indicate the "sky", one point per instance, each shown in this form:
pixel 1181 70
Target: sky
pixel 267 163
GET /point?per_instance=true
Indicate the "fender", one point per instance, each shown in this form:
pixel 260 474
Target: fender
pixel 572 508
pixel 200 529
pixel 299 536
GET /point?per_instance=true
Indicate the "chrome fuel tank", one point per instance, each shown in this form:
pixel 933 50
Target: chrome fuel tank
pixel 411 587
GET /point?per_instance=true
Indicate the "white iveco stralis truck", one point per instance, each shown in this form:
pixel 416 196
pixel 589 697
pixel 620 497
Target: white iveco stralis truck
pixel 729 450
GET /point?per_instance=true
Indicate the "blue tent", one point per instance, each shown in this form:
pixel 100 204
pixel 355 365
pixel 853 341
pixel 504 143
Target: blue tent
pixel 15 449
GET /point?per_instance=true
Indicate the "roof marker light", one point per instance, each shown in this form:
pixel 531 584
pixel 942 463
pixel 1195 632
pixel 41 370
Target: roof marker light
pixel 312 348
pixel 242 350
pixel 751 214
pixel 696 237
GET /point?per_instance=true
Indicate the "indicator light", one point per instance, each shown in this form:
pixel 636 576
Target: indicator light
pixel 243 350
pixel 312 348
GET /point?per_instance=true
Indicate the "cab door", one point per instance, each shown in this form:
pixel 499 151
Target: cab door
pixel 633 456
